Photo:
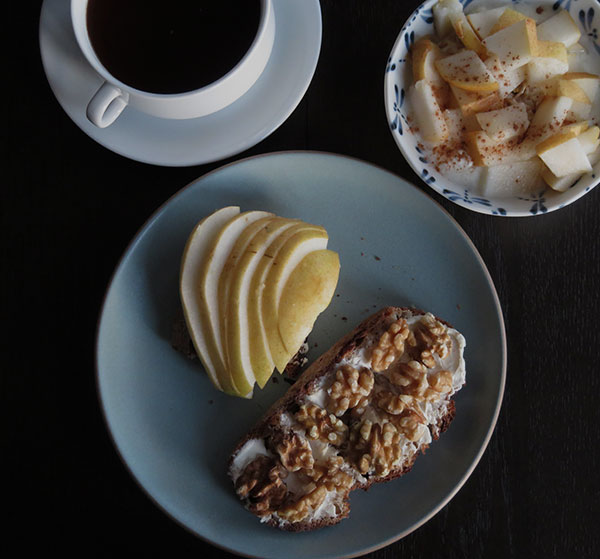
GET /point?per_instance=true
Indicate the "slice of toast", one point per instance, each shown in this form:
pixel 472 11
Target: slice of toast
pixel 360 414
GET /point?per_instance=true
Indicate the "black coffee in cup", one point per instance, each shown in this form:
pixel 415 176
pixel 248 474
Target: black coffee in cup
pixel 171 46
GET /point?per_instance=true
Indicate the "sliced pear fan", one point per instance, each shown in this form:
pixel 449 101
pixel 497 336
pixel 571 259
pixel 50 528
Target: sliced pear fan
pixel 236 269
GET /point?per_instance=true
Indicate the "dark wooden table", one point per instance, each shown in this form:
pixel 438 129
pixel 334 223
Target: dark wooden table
pixel 70 207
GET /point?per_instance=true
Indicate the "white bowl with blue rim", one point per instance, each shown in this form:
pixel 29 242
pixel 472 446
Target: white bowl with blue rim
pixel 398 78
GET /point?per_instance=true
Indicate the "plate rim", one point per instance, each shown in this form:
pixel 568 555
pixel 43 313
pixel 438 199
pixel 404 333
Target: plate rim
pixel 498 404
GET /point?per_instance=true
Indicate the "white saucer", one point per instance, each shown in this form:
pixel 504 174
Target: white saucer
pixel 236 128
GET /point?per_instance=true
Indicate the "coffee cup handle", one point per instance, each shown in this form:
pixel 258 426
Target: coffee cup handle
pixel 106 105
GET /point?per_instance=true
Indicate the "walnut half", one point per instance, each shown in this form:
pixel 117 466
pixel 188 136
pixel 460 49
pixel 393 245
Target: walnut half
pixel 393 404
pixel 262 485
pixel 377 447
pixel 331 475
pixel 321 425
pixel 301 508
pixel 391 345
pixel 431 337
pixel 294 452
pixel 351 389
pixel 410 378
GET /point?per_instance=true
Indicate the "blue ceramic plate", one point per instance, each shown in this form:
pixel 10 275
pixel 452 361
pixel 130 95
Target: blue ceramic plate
pixel 174 431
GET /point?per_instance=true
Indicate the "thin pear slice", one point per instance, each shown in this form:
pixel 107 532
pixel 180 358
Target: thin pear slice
pixel 284 263
pixel 195 253
pixel 211 273
pixel 306 294
pixel 424 53
pixel 235 254
pixel 467 35
pixel 258 340
pixel 248 356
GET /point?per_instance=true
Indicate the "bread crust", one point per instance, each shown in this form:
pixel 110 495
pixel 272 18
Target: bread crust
pixel 324 365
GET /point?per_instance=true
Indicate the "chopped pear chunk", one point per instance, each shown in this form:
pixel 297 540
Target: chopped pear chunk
pixel 428 113
pixel 548 118
pixel 441 15
pixel 540 70
pixel 466 70
pixel 515 45
pixel 486 152
pixel 550 60
pixel 563 154
pixel 507 18
pixel 471 102
pixel 467 36
pixel 560 184
pixel 559 27
pixel 504 124
pixel 482 22
pixel 508 80
pixel 588 82
pixel 589 139
pixel 517 178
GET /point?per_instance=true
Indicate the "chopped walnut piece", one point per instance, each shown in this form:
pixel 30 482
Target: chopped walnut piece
pixel 410 377
pixel 377 447
pixel 411 424
pixel 350 389
pixel 294 452
pixel 300 509
pixel 393 404
pixel 432 337
pixel 261 483
pixel 331 475
pixel 427 358
pixel 391 345
pixel 441 382
pixel 321 425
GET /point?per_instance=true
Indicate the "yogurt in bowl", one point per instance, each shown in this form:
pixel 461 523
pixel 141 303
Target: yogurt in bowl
pixel 498 96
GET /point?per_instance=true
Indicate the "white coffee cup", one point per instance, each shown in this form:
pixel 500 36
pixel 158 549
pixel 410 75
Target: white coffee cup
pixel 114 95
